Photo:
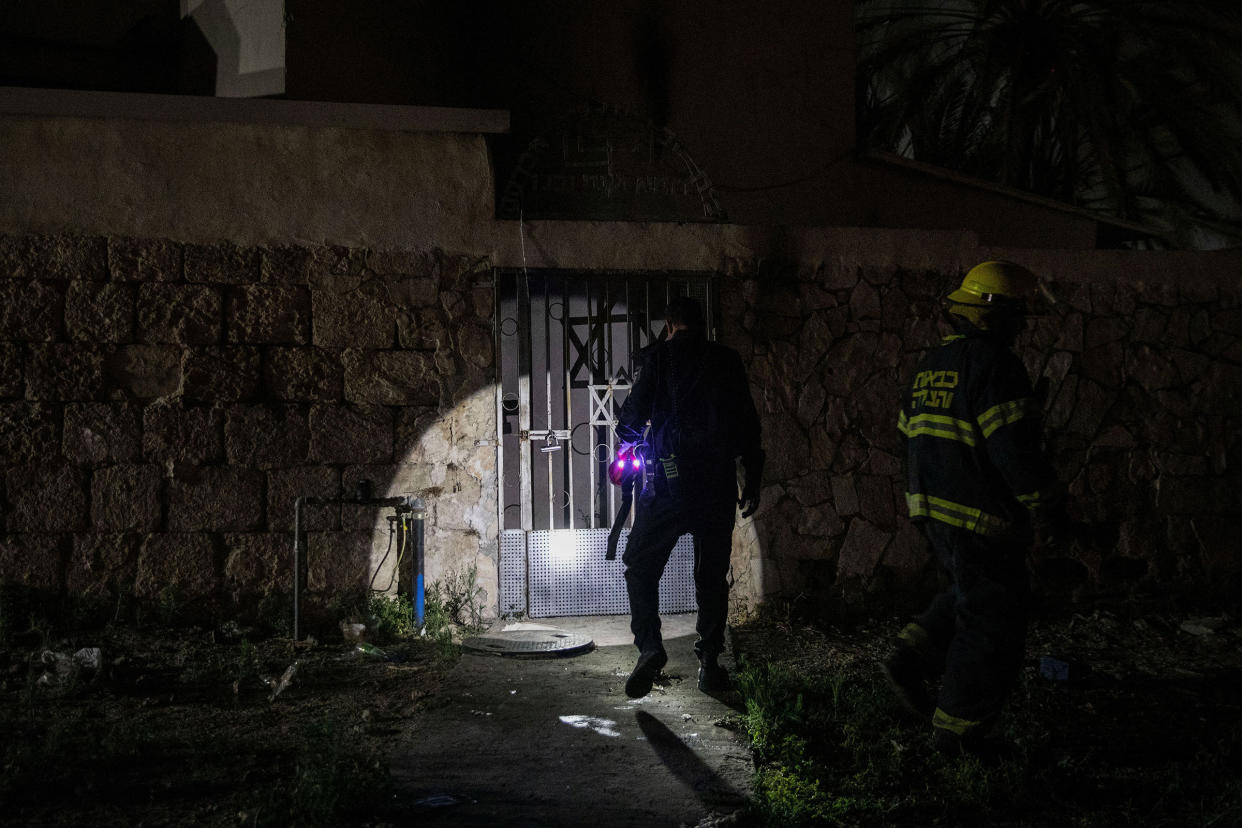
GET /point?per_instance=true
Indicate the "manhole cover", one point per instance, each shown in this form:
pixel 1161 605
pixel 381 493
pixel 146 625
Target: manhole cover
pixel 529 643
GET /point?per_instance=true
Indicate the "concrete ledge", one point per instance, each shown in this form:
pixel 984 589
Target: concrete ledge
pixel 193 109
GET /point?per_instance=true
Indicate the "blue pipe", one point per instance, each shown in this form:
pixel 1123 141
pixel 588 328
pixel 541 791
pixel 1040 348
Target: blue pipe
pixel 419 512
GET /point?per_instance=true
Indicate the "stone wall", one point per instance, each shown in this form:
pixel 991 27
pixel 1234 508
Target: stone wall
pixel 162 405
pixel 1141 360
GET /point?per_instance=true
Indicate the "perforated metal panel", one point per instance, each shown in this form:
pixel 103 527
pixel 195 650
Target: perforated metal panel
pixel 568 575
pixel 513 573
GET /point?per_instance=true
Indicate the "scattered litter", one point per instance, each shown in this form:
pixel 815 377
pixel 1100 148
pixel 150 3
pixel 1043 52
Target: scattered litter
pixel 442 800
pixel 604 727
pixel 370 650
pixel 512 692
pixel 686 717
pixel 1202 626
pixel 353 631
pixel 1056 669
pixel 480 713
pixel 285 680
pixel 89 658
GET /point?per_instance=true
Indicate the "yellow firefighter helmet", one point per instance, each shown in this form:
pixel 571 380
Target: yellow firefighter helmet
pixel 990 288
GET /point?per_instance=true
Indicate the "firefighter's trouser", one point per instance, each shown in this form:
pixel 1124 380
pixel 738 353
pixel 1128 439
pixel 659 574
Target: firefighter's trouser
pixel 974 632
pixel 707 513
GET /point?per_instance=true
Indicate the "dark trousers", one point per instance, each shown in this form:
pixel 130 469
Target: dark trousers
pixel 974 632
pixel 662 519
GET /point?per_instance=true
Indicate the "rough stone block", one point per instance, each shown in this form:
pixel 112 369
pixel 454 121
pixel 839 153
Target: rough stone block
pixel 14 257
pixel 29 432
pixel 126 499
pixel 179 313
pixel 144 372
pixel 183 565
pixel 284 264
pixel 258 563
pixel 415 291
pixel 875 500
pixel 47 497
pixel 144 260
pixel 390 378
pixel 351 434
pixel 864 302
pixel 844 495
pixel 861 551
pixel 908 555
pixel 362 318
pixel 284 486
pixel 1150 368
pixel 422 430
pixel 216 499
pixel 483 300
pixel 100 312
pixel 303 374
pixel 1206 495
pixel 102 565
pixel 475 344
pixel 66 258
pixel 266 435
pixel 36 561
pixel 336 269
pixel 177 434
pixel 269 315
pixel 98 433
pixel 423 329
pixel 12 370
pixel 403 264
pixel 65 373
pixel 31 311
pixel 229 374
pixel 221 263
pixel 338 561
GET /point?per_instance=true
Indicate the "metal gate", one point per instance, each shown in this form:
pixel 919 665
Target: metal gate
pixel 565 345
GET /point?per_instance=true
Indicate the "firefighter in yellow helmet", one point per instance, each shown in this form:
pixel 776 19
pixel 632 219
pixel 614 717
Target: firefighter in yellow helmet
pixel 979 488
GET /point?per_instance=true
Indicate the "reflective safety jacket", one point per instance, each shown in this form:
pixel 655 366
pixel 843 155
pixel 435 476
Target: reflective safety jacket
pixel 973 431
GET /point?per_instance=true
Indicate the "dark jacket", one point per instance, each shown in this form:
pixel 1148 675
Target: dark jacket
pixel 696 396
pixel 973 430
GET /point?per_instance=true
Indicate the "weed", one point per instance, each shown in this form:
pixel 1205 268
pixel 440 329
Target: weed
pixel 774 706
pixel 332 776
pixel 168 606
pixel 461 597
pixel 390 618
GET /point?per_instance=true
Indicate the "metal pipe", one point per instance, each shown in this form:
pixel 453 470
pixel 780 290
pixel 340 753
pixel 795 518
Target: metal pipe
pixel 418 512
pixel 398 503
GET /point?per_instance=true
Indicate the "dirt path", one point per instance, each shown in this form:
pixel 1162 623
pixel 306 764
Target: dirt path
pixel 555 741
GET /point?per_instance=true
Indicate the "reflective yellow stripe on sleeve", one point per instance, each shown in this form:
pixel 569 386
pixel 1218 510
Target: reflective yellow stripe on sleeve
pixel 955 514
pixel 953 724
pixel 903 424
pixel 938 425
pixel 1006 413
pixel 1035 499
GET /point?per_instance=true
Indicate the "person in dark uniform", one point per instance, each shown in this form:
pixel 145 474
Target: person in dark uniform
pixel 980 488
pixel 696 396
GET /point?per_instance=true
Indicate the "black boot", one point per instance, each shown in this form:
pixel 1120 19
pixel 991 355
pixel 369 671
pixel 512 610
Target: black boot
pixel 712 677
pixel 905 674
pixel 644 673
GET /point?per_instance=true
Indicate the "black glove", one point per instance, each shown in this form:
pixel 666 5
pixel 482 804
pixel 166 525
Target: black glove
pixel 1052 526
pixel 753 464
